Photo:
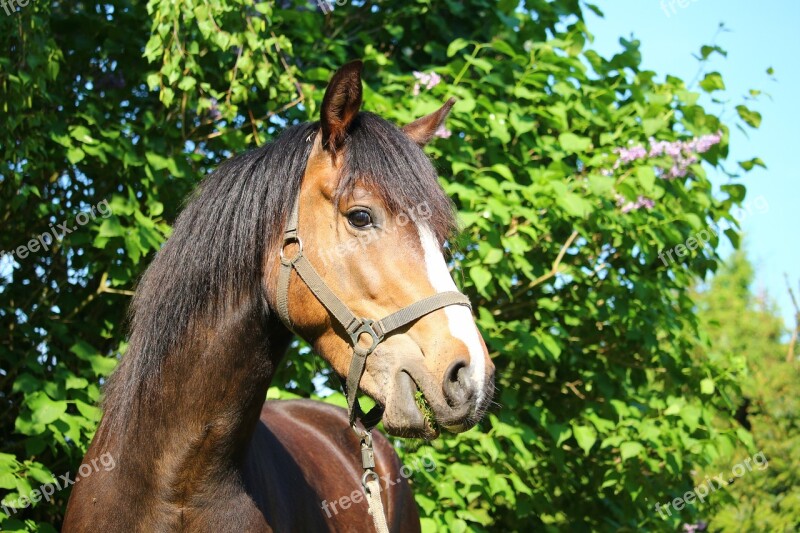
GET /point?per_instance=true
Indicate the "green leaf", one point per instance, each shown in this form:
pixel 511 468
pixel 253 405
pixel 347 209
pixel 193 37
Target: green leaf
pixel 494 256
pixel 82 134
pixel 26 383
pixel 40 474
pixel 501 46
pixel 102 366
pixel 585 435
pixel 691 416
pixel 751 163
pixel 647 177
pixel 734 237
pixel 456 46
pixel 187 83
pixel 572 143
pixel 74 382
pixel 45 410
pixel 89 411
pixel 153 47
pixel 480 63
pixel 574 204
pixel 712 82
pixel 706 51
pixel 7 481
pixel 736 192
pixel 481 277
pixel 559 432
pixel 504 171
pixel 111 228
pixel 651 126
pixel 630 449
pixel 75 155
pixel 752 118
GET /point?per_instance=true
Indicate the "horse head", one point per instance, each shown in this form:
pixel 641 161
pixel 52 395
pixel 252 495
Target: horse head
pixel 365 241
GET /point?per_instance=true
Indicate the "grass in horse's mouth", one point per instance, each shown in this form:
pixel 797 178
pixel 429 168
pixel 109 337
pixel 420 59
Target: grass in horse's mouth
pixel 426 410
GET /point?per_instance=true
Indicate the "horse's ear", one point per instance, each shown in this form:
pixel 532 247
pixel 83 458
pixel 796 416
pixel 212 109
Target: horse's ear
pixel 423 129
pixel 341 104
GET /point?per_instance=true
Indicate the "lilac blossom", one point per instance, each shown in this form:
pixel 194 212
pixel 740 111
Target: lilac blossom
pixel 641 202
pixel 683 153
pixel 428 80
pixel 692 528
pixel 657 148
pixel 681 167
pixel 628 155
pixel 674 149
pixel 705 142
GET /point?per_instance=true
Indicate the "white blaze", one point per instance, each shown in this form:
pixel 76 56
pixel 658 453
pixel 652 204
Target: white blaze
pixel 459 318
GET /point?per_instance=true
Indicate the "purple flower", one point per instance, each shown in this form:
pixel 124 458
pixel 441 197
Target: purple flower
pixel 683 153
pixel 628 155
pixel 657 148
pixel 641 201
pixel 704 143
pixel 428 80
pixel 647 203
pixel 443 132
pixel 676 171
pixel 699 526
pixel 674 149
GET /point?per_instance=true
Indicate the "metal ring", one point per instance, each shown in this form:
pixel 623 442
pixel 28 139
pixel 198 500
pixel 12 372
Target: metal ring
pixel 366 474
pixel 365 327
pixel 290 240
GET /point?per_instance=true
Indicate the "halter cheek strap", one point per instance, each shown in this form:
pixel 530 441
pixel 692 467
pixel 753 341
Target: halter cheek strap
pixel 358 329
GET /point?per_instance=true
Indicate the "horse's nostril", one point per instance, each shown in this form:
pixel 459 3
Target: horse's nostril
pixel 457 386
pixel 456 367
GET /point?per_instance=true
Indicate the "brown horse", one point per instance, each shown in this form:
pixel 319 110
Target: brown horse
pixel 195 446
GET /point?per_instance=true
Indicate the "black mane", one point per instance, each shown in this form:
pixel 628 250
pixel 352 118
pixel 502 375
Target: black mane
pixel 215 255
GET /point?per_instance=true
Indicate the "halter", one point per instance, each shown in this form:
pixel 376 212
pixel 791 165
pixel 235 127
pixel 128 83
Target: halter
pixel 375 330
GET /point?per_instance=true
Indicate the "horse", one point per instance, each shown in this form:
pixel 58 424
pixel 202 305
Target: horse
pixel 331 222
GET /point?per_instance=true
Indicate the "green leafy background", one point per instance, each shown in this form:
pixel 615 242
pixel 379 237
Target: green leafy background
pixel 612 396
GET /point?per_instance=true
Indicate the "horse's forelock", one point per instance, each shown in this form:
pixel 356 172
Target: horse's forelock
pixel 380 156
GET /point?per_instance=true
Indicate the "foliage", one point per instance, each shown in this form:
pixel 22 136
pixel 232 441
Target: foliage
pixel 602 412
pixel 739 323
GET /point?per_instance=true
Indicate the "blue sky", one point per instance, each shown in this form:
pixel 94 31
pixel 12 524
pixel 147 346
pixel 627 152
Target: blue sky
pixel 760 35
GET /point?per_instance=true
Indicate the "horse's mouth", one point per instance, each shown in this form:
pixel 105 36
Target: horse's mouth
pixel 415 410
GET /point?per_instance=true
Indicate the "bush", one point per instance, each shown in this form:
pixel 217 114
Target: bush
pixel 565 204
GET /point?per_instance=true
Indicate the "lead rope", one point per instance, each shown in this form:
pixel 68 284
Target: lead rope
pixel 358 329
pixel 371 482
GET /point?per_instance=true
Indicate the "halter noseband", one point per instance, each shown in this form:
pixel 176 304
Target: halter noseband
pixel 356 327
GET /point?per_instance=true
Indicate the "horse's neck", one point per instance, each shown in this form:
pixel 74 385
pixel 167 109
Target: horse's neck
pixel 198 425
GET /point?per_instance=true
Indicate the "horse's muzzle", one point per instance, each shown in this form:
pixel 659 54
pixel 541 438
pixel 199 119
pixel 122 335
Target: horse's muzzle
pixel 418 406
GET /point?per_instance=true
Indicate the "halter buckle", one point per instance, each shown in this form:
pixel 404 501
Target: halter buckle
pixel 365 326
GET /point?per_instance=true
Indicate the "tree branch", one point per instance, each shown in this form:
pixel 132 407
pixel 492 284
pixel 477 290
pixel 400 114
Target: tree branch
pixel 554 269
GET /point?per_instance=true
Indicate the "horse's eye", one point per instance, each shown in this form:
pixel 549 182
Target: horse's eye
pixel 359 218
